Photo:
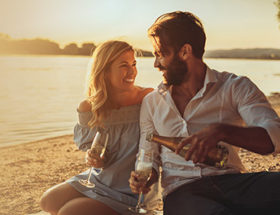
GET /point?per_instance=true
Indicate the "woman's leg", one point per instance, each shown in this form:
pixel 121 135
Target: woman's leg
pixel 55 197
pixel 85 206
pixel 63 199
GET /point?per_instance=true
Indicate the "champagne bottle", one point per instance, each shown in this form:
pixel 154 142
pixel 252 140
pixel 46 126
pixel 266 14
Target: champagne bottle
pixel 216 157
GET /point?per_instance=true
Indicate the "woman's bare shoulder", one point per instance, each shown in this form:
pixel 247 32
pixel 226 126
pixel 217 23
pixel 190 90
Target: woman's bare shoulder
pixel 144 91
pixel 84 106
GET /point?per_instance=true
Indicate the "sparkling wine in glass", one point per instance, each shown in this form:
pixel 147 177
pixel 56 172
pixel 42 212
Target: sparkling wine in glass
pixel 144 170
pixel 98 148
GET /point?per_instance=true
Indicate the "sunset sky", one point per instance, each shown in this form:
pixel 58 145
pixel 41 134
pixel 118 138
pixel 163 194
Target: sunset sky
pixel 228 23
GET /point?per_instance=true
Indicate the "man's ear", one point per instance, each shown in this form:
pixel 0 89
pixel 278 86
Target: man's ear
pixel 185 51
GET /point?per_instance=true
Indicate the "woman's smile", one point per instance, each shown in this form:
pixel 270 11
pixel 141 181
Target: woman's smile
pixel 129 80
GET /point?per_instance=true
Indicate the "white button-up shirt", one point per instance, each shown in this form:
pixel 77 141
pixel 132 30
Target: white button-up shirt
pixel 224 98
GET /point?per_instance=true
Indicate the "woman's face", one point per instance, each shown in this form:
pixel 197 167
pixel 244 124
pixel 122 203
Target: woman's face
pixel 123 72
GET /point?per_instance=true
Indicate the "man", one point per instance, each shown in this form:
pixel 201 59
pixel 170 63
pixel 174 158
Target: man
pixel 208 108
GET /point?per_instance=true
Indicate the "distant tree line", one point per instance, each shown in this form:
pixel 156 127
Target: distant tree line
pixel 47 47
pixel 257 53
pixel 277 3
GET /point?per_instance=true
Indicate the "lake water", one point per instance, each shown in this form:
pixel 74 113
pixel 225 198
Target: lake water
pixel 39 94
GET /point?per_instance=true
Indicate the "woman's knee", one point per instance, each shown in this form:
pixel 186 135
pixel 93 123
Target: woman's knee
pixel 86 206
pixel 45 201
pixel 55 197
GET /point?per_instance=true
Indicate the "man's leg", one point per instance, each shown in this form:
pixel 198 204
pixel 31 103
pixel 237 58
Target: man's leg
pixel 197 198
pixel 257 193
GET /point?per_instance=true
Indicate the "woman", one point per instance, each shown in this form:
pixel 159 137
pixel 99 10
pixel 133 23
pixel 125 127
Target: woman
pixel 113 103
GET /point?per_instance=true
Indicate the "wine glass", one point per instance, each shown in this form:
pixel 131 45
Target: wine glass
pixel 98 148
pixel 144 170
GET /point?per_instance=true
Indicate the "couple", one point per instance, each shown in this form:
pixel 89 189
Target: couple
pixel 193 101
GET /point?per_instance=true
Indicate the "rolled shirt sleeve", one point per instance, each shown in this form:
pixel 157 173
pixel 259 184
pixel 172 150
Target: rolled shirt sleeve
pixel 273 129
pixel 147 127
pixel 255 110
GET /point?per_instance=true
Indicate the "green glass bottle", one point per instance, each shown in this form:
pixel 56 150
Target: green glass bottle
pixel 216 157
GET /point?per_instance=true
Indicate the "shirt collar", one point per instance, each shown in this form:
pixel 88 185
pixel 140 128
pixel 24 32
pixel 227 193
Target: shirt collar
pixel 162 88
pixel 210 78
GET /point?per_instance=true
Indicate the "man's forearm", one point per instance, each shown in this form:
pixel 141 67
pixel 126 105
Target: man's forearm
pixel 255 139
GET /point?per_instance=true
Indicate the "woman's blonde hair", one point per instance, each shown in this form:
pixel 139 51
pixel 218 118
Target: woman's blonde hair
pixel 97 88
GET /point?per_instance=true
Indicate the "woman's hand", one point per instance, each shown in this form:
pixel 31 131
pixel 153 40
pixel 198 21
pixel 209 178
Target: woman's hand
pixel 94 160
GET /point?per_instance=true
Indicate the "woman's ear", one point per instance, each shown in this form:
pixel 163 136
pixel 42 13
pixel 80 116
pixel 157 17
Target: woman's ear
pixel 185 51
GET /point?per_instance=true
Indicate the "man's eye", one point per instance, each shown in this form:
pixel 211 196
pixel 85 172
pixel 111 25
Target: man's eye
pixel 158 54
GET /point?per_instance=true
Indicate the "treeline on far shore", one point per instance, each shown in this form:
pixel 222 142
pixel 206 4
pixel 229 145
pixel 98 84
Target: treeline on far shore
pixel 40 46
pixel 46 47
pixel 253 53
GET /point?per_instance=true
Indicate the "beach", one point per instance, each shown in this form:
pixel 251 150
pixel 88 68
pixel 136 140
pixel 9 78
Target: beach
pixel 27 170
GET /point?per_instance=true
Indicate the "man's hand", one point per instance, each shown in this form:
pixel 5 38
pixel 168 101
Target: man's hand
pixel 94 160
pixel 137 186
pixel 201 143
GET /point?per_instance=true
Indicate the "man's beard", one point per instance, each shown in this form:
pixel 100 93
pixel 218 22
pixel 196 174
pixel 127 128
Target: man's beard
pixel 175 71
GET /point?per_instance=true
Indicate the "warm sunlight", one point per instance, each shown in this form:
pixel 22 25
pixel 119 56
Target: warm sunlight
pixel 70 68
pixel 230 24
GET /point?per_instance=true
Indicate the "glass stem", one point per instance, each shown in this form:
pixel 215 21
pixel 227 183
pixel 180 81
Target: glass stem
pixel 89 174
pixel 139 200
pixel 95 172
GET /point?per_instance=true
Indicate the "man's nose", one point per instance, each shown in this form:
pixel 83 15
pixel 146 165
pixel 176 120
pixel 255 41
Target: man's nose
pixel 156 63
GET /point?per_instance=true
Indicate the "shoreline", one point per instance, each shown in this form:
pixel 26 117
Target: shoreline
pixel 274 99
pixel 33 141
pixel 29 169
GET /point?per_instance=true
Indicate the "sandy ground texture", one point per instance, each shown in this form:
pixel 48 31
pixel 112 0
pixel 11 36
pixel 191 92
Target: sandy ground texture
pixel 27 170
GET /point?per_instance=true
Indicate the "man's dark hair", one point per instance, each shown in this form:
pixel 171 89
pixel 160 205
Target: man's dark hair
pixel 178 28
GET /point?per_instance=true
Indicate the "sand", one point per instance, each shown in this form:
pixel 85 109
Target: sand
pixel 27 170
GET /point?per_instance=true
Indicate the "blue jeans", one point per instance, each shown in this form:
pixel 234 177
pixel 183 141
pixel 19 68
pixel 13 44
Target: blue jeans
pixel 250 193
